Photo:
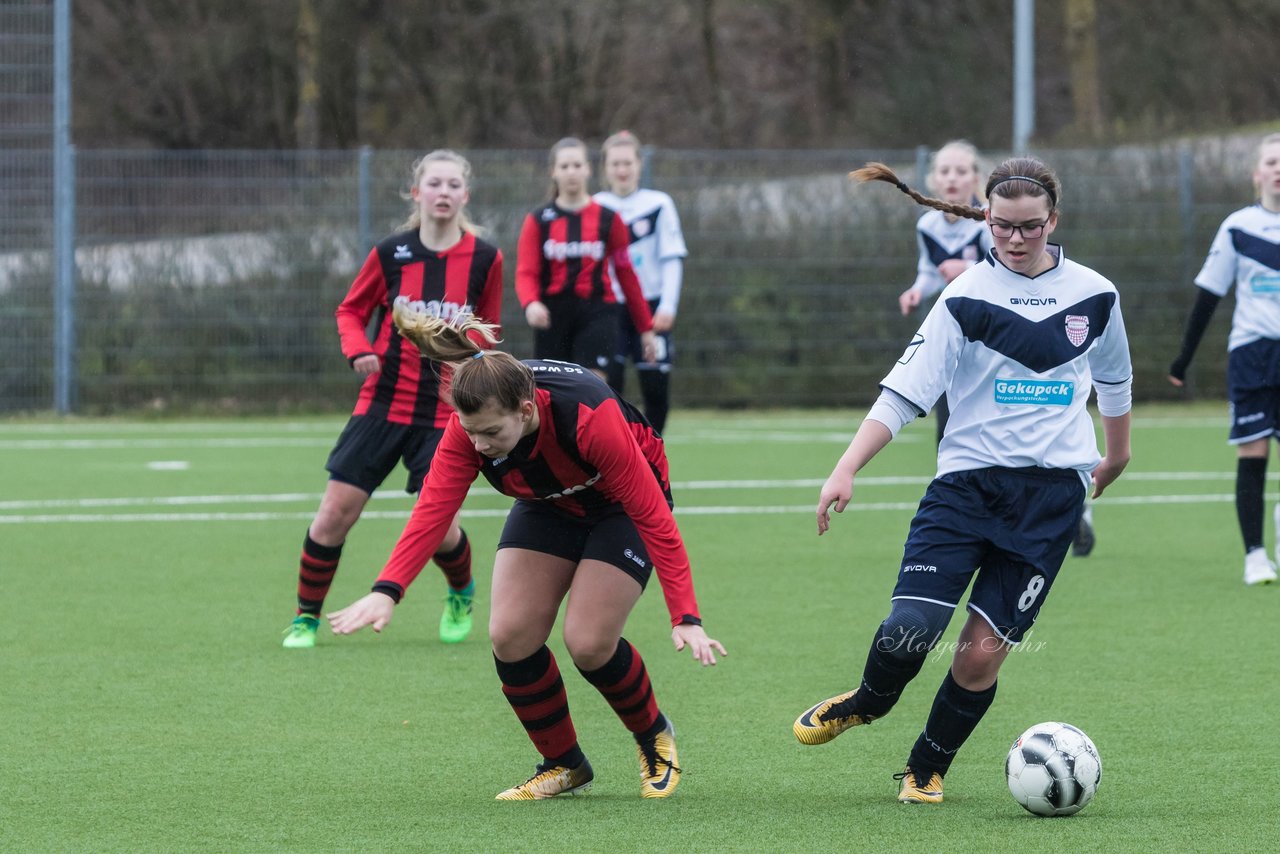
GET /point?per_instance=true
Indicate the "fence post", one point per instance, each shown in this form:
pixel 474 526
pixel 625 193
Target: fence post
pixel 64 217
pixel 1186 206
pixel 363 193
pixel 922 167
pixel 646 165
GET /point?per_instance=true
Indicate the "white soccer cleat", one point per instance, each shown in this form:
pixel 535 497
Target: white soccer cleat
pixel 1258 568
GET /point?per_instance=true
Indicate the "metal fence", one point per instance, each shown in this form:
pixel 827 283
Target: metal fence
pixel 206 280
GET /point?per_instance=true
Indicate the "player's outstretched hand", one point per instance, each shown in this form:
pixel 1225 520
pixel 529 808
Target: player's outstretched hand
pixel 537 315
pixel 908 300
pixel 702 647
pixel 649 346
pixel 374 610
pixel 838 490
pixel 1106 473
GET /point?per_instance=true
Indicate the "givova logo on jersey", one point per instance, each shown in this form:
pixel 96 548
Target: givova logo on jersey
pixel 443 309
pixel 1031 392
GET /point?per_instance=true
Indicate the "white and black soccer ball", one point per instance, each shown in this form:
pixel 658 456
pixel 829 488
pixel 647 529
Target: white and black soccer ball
pixel 1053 769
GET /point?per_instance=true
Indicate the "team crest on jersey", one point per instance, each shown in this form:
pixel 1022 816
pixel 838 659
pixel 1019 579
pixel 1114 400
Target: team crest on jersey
pixel 548 214
pixel 1077 328
pixel 640 228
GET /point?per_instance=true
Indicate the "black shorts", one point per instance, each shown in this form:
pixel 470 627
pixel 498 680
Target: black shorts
pixel 629 346
pixel 612 539
pixel 1253 389
pixel 369 449
pixel 582 331
pixel 1011 526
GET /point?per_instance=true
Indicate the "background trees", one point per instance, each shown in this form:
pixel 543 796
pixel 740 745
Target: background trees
pixel 682 73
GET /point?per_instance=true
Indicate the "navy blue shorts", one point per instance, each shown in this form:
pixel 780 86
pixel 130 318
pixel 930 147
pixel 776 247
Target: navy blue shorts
pixel 369 449
pixel 1011 526
pixel 1253 389
pixel 583 332
pixel 611 539
pixel 629 346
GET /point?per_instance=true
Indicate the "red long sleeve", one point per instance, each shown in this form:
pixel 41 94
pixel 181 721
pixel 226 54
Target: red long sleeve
pixel 606 441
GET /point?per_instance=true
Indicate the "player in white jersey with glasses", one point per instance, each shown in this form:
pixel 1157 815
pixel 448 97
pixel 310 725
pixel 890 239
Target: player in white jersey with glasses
pixel 1016 342
pixel 657 253
pixel 1246 253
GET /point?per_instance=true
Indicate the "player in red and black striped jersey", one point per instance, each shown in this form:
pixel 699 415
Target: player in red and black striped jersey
pixel 592 519
pixel 570 250
pixel 434 264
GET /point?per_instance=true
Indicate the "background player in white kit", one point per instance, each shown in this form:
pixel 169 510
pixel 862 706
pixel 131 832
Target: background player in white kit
pixel 1246 253
pixel 657 254
pixel 1016 341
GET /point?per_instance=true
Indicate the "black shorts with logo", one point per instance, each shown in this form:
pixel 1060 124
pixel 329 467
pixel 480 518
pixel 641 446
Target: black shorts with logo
pixel 611 539
pixel 370 447
pixel 584 332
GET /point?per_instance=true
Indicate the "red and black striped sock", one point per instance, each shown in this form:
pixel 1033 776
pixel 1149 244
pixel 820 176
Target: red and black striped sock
pixel 535 691
pixel 315 574
pixel 456 563
pixel 624 682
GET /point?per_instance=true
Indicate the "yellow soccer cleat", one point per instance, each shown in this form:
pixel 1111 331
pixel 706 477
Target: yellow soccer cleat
pixel 551 781
pixel 916 791
pixel 659 774
pixel 825 721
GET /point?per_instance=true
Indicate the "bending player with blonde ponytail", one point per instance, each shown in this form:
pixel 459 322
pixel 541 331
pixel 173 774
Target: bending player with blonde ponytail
pixel 591 521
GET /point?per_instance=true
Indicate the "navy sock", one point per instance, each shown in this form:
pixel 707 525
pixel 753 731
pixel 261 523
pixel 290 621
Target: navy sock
pixel 884 676
pixel 955 714
pixel 1251 479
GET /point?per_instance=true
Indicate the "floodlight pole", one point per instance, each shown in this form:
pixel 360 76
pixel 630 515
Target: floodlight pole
pixel 1024 73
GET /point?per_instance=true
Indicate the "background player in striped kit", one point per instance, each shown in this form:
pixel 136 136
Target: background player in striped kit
pixel 593 505
pixel 563 261
pixel 1016 341
pixel 657 254
pixel 435 260
pixel 1246 253
pixel 948 244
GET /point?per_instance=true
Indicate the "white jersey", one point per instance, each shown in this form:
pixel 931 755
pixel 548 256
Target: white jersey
pixel 1017 358
pixel 655 235
pixel 940 240
pixel 1246 253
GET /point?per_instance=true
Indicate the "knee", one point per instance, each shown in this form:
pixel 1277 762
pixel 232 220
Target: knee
pixel 912 629
pixel 512 641
pixel 589 648
pixel 334 521
pixel 975 670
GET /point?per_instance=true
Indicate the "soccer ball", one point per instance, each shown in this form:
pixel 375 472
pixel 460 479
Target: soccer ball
pixel 1053 769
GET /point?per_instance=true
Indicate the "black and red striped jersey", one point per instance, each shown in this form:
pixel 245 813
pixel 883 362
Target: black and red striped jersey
pixel 578 252
pixel 593 454
pixel 465 278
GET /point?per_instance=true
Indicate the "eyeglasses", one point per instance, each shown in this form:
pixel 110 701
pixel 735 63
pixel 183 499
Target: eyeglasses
pixel 1028 230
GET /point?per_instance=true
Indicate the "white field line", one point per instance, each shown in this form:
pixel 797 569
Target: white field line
pixel 323 434
pixel 677 487
pixel 729 510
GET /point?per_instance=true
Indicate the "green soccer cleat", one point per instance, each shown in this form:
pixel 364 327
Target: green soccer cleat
pixel 918 790
pixel 455 622
pixel 659 774
pixel 549 781
pixel 301 633
pixel 823 722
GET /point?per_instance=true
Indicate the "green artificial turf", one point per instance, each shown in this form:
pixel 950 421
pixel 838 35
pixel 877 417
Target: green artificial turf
pixel 148 569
